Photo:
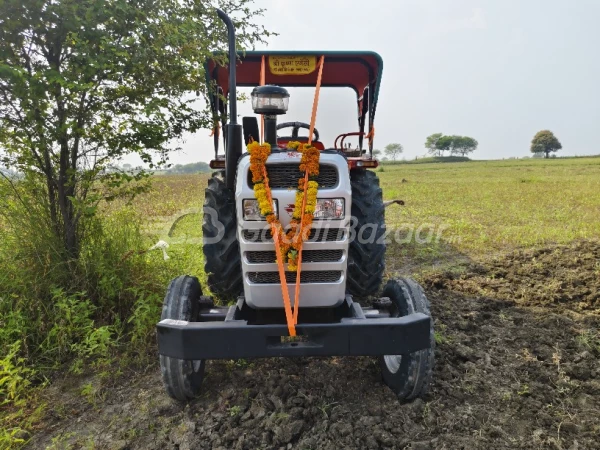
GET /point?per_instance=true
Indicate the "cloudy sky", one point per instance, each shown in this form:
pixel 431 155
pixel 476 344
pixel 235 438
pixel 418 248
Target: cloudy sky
pixel 498 71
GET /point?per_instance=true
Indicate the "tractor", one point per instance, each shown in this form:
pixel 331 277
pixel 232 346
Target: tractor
pixel 342 257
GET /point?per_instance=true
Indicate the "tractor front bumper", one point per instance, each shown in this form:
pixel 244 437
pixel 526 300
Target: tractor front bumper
pixel 235 332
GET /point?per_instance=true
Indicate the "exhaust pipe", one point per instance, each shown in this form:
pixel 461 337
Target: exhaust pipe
pixel 233 149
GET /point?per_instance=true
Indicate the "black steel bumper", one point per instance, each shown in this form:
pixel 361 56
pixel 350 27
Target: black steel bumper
pixel 227 335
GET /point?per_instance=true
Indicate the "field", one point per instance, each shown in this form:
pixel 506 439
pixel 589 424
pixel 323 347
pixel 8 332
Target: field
pixel 514 282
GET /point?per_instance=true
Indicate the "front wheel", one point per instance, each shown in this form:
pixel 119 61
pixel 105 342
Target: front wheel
pixel 408 375
pixel 182 378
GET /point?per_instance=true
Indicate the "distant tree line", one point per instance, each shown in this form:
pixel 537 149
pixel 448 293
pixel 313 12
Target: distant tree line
pixel 437 144
pixel 197 167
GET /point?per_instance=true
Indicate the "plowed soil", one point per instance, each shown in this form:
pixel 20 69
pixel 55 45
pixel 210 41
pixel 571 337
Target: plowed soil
pixel 516 367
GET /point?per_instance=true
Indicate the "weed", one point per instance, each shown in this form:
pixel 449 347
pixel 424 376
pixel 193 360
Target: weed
pixel 326 407
pixel 146 311
pixel 280 416
pixel 439 334
pixel 14 377
pixel 589 339
pixel 92 394
pixel 439 338
pixel 527 356
pixel 235 410
pixel 60 442
pixel 524 391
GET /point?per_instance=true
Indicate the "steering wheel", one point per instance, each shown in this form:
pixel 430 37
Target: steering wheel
pixel 295 127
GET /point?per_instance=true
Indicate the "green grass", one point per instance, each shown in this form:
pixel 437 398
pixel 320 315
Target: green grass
pixel 481 207
pixel 429 159
pixel 491 206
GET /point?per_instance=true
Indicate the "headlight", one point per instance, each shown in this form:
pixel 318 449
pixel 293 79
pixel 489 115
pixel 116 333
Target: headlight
pixel 252 211
pixel 329 208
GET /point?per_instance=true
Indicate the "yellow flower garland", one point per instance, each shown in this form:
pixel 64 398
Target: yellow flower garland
pixel 292 242
pixel 258 158
pixel 310 165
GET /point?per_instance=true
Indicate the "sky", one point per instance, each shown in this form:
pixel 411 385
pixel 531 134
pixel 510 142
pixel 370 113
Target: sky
pixel 498 71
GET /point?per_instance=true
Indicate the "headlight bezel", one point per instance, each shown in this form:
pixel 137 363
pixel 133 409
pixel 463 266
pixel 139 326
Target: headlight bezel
pixel 257 217
pixel 339 204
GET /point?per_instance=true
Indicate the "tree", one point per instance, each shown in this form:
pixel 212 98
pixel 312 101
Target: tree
pixel 456 143
pixel 439 143
pixel 463 145
pixel 443 144
pixel 376 153
pixel 431 143
pixel 393 150
pixel 545 142
pixel 85 82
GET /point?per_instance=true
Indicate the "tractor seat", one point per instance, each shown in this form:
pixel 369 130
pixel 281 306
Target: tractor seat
pixel 282 142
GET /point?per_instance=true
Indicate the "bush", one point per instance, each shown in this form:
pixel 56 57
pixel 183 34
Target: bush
pixel 50 306
pixel 57 312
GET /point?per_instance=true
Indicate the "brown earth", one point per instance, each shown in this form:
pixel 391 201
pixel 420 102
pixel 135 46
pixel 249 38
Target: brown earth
pixel 517 367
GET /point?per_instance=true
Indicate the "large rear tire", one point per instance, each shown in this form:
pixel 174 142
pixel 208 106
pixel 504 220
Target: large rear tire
pixel 182 378
pixel 366 257
pixel 222 257
pixel 408 375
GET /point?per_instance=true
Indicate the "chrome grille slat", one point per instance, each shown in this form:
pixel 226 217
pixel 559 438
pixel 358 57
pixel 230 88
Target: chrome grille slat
pixel 318 276
pixel 308 256
pixel 285 176
pixel 316 235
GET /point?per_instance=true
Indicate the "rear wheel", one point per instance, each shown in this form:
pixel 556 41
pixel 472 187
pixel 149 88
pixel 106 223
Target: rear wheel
pixel 408 375
pixel 182 378
pixel 366 258
pixel 221 249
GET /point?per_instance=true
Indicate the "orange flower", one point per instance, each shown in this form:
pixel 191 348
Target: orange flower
pixel 303 218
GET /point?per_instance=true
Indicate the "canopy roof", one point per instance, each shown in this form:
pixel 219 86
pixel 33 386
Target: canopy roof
pixel 357 70
pixel 344 68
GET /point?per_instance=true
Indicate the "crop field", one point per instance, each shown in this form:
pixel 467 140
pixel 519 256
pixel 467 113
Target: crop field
pixel 509 255
pixel 452 211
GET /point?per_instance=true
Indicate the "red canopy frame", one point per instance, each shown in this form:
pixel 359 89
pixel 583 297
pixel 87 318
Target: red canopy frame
pixel 361 71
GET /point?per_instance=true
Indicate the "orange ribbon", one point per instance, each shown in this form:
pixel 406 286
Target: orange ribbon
pixel 371 135
pixel 284 287
pixel 262 116
pixel 215 129
pixel 313 119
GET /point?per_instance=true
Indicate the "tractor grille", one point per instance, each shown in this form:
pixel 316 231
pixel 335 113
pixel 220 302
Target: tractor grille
pixel 319 276
pixel 316 235
pixel 308 256
pixel 285 176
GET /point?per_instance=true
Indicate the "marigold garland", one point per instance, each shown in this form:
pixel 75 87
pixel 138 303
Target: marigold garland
pixel 309 164
pixel 258 158
pixel 291 242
